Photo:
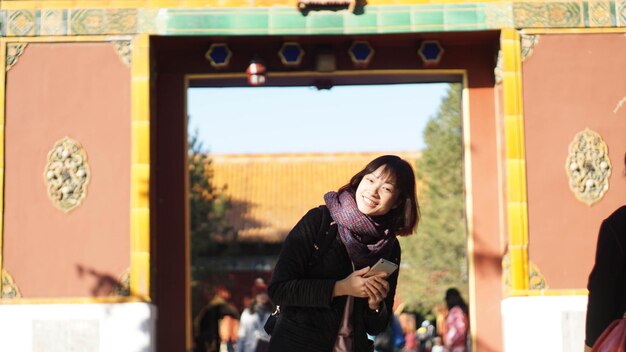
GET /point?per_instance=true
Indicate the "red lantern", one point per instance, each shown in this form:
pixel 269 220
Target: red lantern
pixel 256 73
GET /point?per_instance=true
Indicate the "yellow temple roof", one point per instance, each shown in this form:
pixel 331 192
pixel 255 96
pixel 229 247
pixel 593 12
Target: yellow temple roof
pixel 271 192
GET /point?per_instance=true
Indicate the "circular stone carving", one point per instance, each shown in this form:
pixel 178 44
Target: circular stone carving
pixel 588 167
pixel 67 174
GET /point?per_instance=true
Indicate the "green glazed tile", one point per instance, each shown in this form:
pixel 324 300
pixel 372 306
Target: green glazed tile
pixel 395 17
pixel 427 18
pixel 324 23
pixel 254 22
pixel 363 23
pixel 460 16
pixel 613 15
pixel 285 22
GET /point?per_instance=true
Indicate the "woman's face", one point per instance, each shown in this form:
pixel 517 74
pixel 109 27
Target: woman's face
pixel 377 193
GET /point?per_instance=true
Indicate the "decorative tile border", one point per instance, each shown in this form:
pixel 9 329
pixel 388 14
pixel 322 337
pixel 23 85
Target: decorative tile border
pixel 140 169
pixel 516 194
pixel 425 17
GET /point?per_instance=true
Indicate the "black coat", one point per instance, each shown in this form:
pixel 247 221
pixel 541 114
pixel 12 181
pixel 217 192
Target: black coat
pixel 310 317
pixel 607 281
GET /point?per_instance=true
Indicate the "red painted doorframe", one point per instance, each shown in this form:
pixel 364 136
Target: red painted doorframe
pixel 174 58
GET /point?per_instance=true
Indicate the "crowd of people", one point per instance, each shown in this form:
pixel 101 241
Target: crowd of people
pixel 448 332
pixel 220 327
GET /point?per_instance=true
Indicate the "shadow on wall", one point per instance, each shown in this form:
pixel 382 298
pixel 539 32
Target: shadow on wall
pixel 104 284
pixel 487 261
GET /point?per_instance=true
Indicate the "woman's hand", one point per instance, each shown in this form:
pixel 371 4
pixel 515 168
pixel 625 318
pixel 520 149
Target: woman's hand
pixel 377 289
pixel 352 285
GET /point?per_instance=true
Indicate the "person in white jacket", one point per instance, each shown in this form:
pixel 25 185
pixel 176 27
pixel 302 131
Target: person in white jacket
pixel 251 336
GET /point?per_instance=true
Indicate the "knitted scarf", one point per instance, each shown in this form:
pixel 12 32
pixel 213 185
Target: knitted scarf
pixel 365 240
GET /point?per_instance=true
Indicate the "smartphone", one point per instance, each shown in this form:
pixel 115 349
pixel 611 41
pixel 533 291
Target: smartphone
pixel 382 265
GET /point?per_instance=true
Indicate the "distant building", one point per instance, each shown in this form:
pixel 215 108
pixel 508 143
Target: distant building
pixel 271 192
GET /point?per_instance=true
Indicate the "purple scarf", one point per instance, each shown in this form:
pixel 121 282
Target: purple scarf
pixel 365 241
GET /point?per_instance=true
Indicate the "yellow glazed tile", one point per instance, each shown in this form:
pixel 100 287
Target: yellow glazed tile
pixel 140 62
pixel 511 92
pixel 516 180
pixel 510 58
pixel 512 137
pixel 516 223
pixel 519 271
pixel 141 142
pixel 140 100
pixel 509 34
pixel 141 230
pixel 140 191
pixel 140 274
pixel 1 148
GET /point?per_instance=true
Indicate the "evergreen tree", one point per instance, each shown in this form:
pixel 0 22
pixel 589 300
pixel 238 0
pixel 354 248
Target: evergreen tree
pixel 435 259
pixel 209 229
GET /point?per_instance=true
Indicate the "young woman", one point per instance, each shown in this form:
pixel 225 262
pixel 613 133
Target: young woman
pixel 330 305
pixel 457 322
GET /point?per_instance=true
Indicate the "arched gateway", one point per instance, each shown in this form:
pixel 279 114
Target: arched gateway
pixel 94 249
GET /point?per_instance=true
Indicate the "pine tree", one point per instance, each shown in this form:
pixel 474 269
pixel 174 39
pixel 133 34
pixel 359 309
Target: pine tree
pixel 210 232
pixel 435 258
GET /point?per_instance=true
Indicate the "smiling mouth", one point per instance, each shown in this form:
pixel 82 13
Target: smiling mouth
pixel 369 202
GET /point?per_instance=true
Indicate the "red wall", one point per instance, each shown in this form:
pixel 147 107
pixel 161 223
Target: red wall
pixel 79 90
pixel 571 82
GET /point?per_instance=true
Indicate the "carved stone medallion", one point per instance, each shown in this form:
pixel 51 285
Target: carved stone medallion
pixel 67 174
pixel 588 167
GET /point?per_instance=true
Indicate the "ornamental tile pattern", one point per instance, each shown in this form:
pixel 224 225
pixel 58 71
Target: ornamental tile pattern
pixel 23 23
pixel 53 22
pixel 528 45
pixel 67 174
pixel 14 50
pixel 104 21
pixel 588 167
pixel 599 14
pixel 277 20
pixel 621 13
pixel 124 50
pixel 564 14
pixel 10 289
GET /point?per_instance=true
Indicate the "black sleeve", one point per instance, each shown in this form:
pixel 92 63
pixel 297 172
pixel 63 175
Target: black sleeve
pixel 290 285
pixel 228 309
pixel 377 323
pixel 604 280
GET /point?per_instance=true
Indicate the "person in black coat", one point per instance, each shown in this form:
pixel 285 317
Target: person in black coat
pixel 607 281
pixel 329 305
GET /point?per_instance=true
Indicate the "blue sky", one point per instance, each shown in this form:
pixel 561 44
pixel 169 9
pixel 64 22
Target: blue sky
pixel 374 118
